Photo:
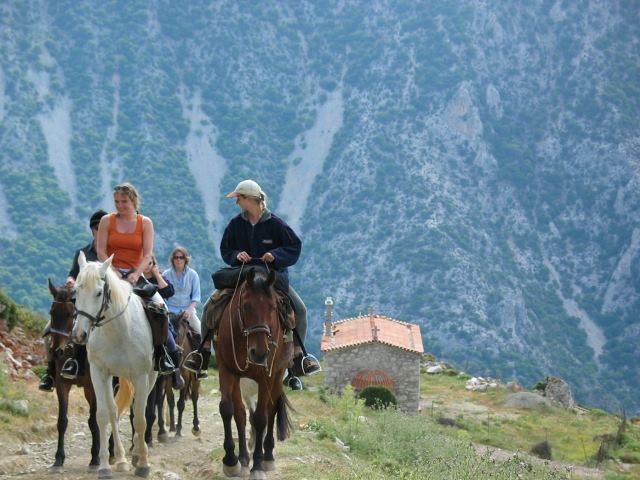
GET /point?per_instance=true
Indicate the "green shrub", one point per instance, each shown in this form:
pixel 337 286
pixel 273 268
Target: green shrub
pixel 378 397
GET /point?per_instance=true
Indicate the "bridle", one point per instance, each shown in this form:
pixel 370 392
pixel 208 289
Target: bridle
pixel 99 319
pixel 52 329
pixel 247 332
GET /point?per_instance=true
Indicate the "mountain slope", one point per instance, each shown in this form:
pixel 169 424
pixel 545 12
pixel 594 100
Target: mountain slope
pixel 469 167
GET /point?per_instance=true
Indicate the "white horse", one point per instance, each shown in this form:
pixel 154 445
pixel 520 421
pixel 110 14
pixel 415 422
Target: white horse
pixel 112 323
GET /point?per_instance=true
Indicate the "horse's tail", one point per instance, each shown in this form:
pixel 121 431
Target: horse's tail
pixel 283 422
pixel 124 396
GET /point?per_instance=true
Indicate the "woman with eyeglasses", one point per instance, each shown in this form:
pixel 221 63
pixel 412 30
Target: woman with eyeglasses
pixel 186 283
pixel 257 235
pixel 128 236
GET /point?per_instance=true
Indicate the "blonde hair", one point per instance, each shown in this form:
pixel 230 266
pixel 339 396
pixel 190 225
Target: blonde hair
pixel 130 191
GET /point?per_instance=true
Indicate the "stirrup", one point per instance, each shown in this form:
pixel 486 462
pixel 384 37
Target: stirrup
pixel 193 362
pixel 313 365
pixel 70 369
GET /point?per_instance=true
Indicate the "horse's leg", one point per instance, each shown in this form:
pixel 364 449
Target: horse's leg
pixel 62 392
pixel 228 382
pixel 171 404
pixel 141 385
pixel 240 415
pixel 181 402
pixel 105 413
pixel 195 394
pixel 260 420
pixel 90 395
pixel 160 394
pixel 150 416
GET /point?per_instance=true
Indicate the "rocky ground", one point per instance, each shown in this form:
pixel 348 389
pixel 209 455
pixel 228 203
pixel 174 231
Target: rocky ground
pixel 31 456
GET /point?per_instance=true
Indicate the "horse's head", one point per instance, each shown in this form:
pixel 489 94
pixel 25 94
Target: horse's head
pixel 93 296
pixel 62 313
pixel 259 315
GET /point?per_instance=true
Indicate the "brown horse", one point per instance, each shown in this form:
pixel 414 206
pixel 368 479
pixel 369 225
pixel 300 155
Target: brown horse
pixel 62 314
pixel 191 383
pixel 250 345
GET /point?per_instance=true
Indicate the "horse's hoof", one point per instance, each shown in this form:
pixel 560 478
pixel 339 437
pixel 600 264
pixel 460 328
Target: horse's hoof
pixel 56 469
pixel 245 471
pixel 122 467
pixel 93 467
pixel 134 460
pixel 163 437
pixel 143 472
pixel 112 460
pixel 269 465
pixel 234 471
pixel 258 475
pixel 104 473
pixel 196 431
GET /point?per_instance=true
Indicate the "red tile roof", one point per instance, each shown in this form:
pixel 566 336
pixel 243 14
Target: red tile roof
pixel 373 328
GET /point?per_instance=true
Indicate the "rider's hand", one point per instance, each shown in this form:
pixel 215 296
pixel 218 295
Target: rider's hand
pixel 133 277
pixel 244 257
pixel 268 257
pixel 70 283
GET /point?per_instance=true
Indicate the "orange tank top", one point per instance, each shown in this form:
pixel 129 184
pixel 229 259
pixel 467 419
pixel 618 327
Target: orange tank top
pixel 127 247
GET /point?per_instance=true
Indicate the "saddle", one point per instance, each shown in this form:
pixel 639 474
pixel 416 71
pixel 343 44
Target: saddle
pixel 218 301
pixel 157 313
pixel 193 336
pixel 158 317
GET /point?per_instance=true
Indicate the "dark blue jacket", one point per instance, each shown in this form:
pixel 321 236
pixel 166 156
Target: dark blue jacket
pixel 270 234
pixel 89 252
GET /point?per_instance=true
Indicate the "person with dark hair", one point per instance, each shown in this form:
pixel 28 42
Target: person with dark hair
pixel 258 235
pixel 47 381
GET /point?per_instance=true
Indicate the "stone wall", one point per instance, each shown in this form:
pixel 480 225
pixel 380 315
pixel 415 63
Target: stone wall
pixel 403 367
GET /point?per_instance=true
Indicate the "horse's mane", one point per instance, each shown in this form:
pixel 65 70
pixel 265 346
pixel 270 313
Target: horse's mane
pixel 90 275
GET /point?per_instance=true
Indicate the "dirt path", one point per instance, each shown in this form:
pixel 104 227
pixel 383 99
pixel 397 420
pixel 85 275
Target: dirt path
pixel 186 457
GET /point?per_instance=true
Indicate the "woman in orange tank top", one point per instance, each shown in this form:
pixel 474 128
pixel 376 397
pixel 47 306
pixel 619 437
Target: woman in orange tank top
pixel 126 234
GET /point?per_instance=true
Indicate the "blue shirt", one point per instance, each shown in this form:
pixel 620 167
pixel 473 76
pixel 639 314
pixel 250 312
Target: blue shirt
pixel 186 286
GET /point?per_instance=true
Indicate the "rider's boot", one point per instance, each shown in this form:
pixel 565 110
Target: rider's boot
pixel 176 377
pixel 47 382
pixel 304 364
pixel 202 374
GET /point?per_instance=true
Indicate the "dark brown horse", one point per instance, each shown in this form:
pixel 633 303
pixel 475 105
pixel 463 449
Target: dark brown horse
pixel 250 345
pixel 191 383
pixel 62 315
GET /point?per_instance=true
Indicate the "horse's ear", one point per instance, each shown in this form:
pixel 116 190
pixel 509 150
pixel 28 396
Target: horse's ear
pixel 271 279
pixel 251 274
pixel 105 266
pixel 52 288
pixel 82 260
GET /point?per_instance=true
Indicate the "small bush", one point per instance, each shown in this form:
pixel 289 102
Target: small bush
pixel 542 450
pixel 378 397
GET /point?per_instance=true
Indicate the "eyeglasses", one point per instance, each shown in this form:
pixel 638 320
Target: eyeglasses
pixel 179 257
